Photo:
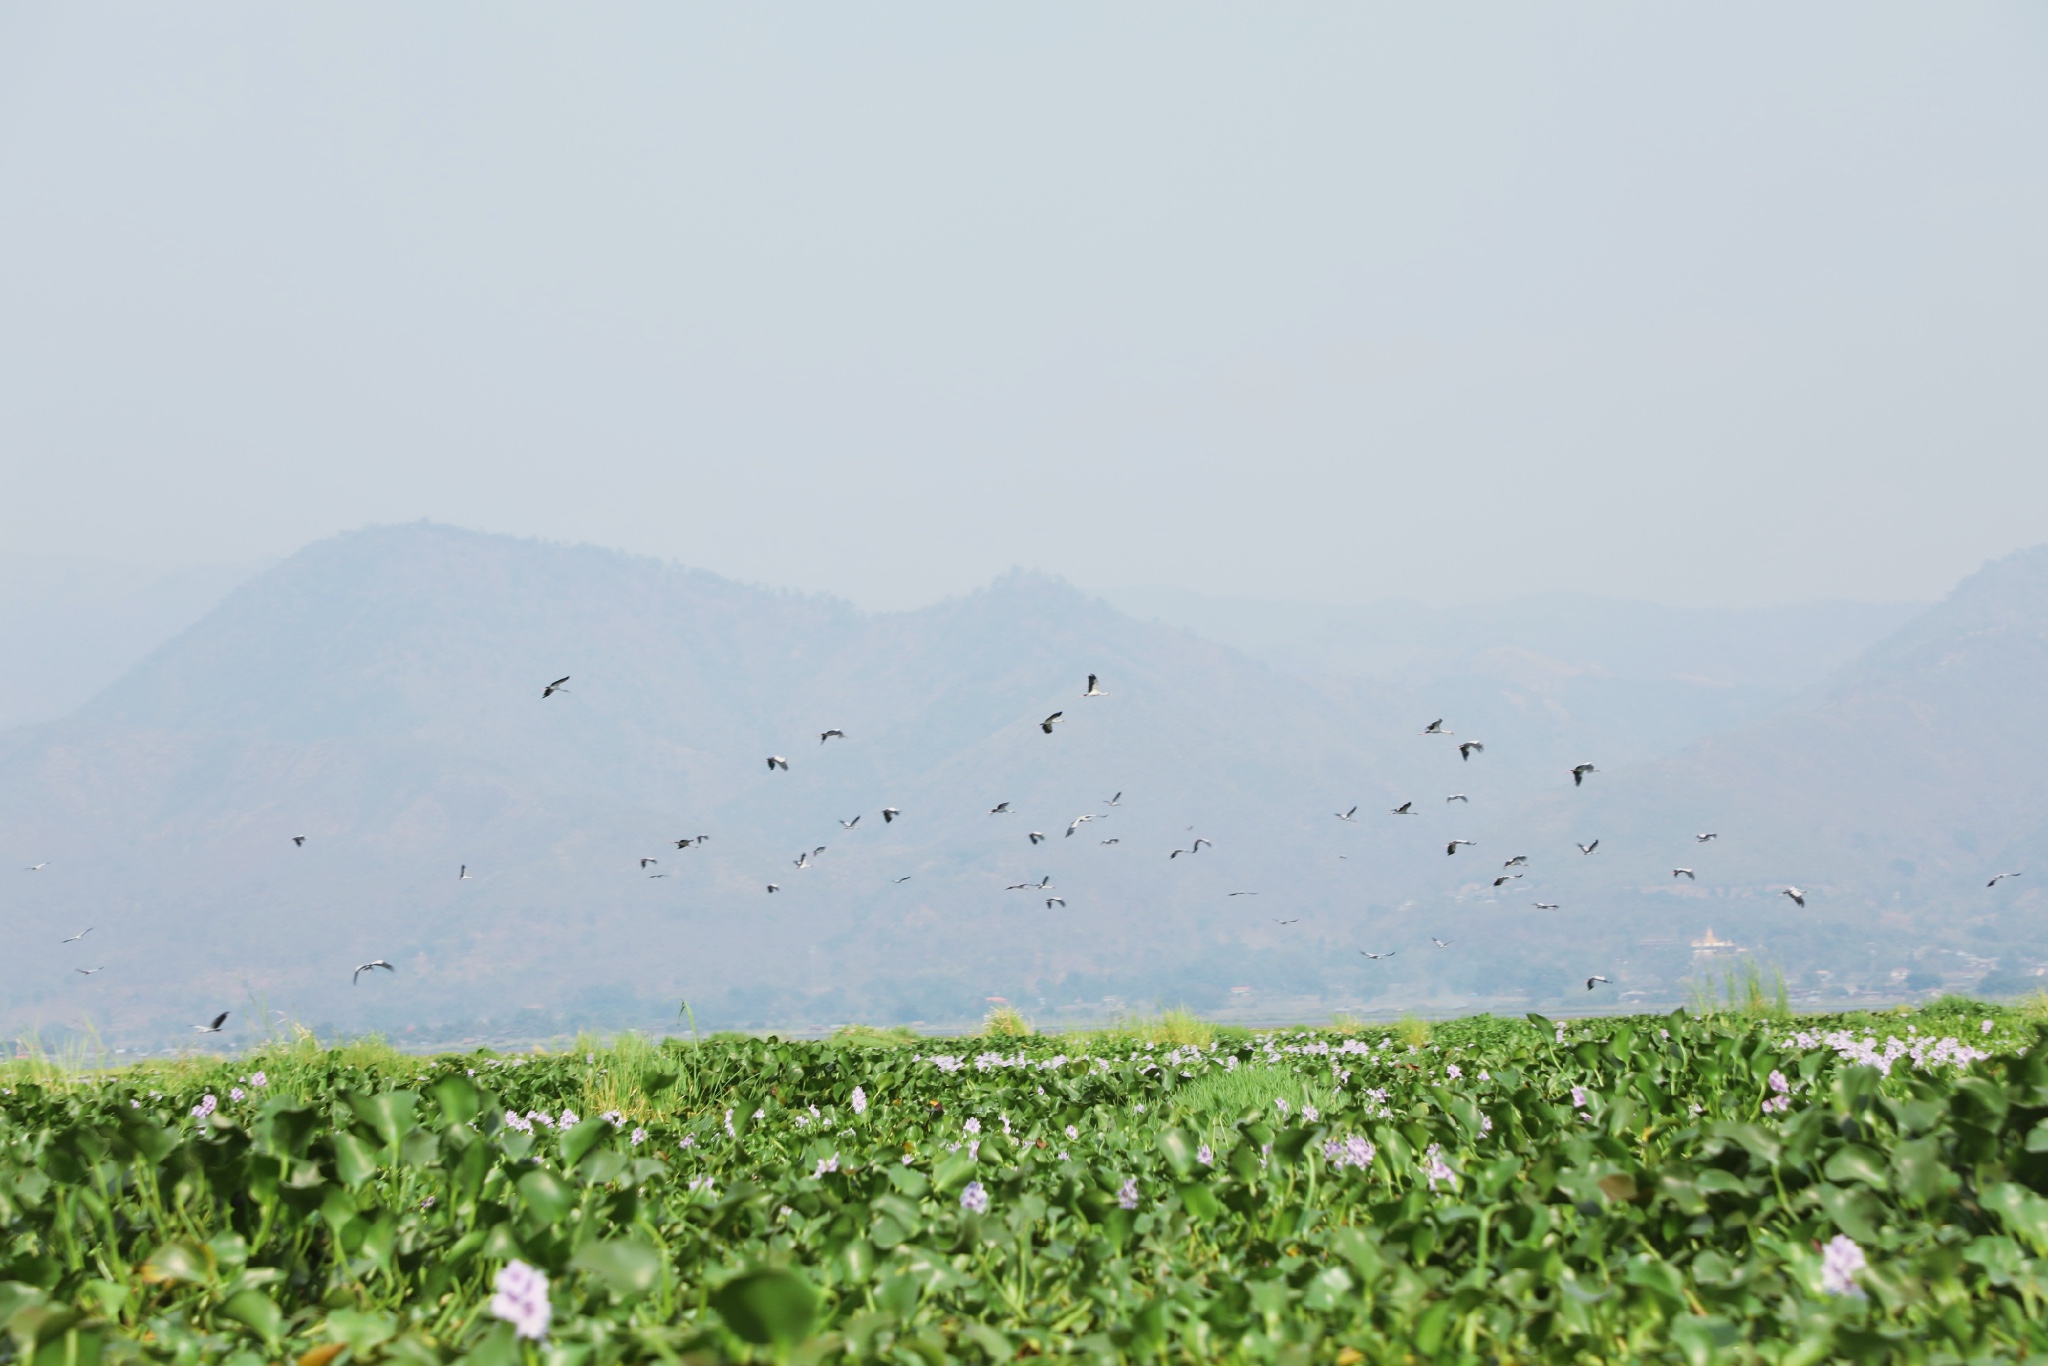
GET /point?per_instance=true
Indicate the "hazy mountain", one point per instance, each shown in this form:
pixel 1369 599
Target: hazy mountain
pixel 69 627
pixel 379 693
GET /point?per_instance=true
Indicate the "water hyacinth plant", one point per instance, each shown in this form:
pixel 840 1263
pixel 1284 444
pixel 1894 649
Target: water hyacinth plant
pixel 1738 1188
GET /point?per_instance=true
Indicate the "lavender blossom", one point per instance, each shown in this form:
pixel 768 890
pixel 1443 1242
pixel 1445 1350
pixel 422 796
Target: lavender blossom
pixel 206 1106
pixel 974 1199
pixel 1840 1260
pixel 1438 1169
pixel 513 1121
pixel 1453 1071
pixel 522 1300
pixel 1073 1134
pixel 1350 1152
pixel 826 1164
pixel 1204 1156
pixel 860 1101
pixel 237 1093
pixel 1579 1097
pixel 972 1126
pixel 1127 1195
pixel 640 1136
pixel 258 1079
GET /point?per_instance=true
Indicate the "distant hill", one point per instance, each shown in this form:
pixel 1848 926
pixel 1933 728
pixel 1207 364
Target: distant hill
pixel 379 694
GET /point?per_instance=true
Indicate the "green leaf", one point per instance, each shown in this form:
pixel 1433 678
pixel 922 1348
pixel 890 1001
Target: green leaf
pixel 581 1140
pixel 388 1112
pixel 1179 1150
pixel 771 1306
pixel 1199 1201
pixel 547 1196
pixel 174 1262
pixel 354 1160
pixel 2024 1213
pixel 628 1267
pixel 256 1309
pixel 1918 1173
pixel 458 1098
pixel 1854 1162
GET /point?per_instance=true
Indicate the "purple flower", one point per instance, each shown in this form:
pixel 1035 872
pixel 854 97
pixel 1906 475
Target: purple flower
pixel 1453 1071
pixel 522 1299
pixel 1073 1134
pixel 860 1101
pixel 206 1106
pixel 258 1079
pixel 1840 1260
pixel 1984 1028
pixel 640 1136
pixel 236 1093
pixel 974 1199
pixel 1204 1156
pixel 1579 1097
pixel 614 1118
pixel 1351 1152
pixel 1127 1195
pixel 1280 1103
pixel 513 1121
pixel 1438 1169
pixel 972 1126
pixel 826 1164
pixel 1779 1084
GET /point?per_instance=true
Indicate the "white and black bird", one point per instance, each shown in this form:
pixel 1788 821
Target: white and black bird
pixel 1459 797
pixel 1505 878
pixel 848 825
pixel 35 867
pixel 1176 853
pixel 776 761
pixel 213 1028
pixel 1295 921
pixel 1579 772
pixel 772 887
pixel 76 937
pixel 1546 905
pixel 1351 815
pixel 1093 690
pixel 1377 956
pixel 1047 724
pixel 1043 884
pixel 463 874
pixel 362 968
pixel 298 841
pixel 2000 878
pixel 644 862
pixel 802 860
pixel 1112 840
pixel 906 877
pixel 1440 943
pixel 1452 847
pixel 1200 844
pixel 1117 800
pixel 1706 835
pixel 825 735
pixel 1518 861
pixel 999 809
pixel 1592 981
pixel 1038 837
pixel 1405 809
pixel 87 972
pixel 551 689
pixel 1243 893
pixel 1685 873
pixel 1468 748
pixel 1798 897
pixel 889 814
pixel 1077 823
pixel 1436 727
pixel 1587 848
pixel 1053 901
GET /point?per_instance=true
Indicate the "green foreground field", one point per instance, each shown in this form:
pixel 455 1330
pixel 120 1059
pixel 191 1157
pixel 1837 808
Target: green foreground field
pixel 1698 1189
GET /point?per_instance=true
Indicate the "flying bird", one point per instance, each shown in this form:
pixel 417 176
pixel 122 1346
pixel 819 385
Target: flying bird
pixel 1351 815
pixel 299 841
pixel 657 875
pixel 802 860
pixel 1176 853
pixel 1117 800
pixel 88 930
pixel 213 1028
pixel 1077 823
pixel 1112 841
pixel 825 735
pixel 1587 848
pixel 1579 772
pixel 1505 877
pixel 1518 861
pixel 999 809
pixel 1459 797
pixel 1093 691
pixel 1468 748
pixel 551 689
pixel 1436 727
pixel 1244 894
pixel 906 877
pixel 776 761
pixel 1685 873
pixel 35 867
pixel 1053 901
pixel 1546 905
pixel 1047 723
pixel 1038 837
pixel 1706 835
pixel 1377 956
pixel 1590 981
pixel 644 862
pixel 1041 885
pixel 1201 844
pixel 1295 921
pixel 463 876
pixel 1797 896
pixel 362 968
pixel 1405 809
pixel 889 814
pixel 772 887
pixel 87 972
pixel 1440 943
pixel 1452 847
pixel 1993 883
pixel 848 825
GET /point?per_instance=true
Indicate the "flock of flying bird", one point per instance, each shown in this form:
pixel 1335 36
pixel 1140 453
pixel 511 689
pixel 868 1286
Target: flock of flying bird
pixel 806 858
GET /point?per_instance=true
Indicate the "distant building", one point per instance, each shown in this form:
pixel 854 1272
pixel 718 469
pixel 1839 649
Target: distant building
pixel 1710 945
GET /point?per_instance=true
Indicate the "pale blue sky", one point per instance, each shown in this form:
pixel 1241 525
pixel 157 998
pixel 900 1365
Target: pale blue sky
pixel 1715 305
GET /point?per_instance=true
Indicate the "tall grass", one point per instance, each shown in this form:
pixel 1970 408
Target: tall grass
pixel 1745 991
pixel 1005 1022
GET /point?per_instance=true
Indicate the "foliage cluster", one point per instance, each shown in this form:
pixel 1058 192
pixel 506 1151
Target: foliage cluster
pixel 1606 1190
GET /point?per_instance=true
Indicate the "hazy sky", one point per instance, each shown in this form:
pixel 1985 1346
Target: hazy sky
pixel 1713 304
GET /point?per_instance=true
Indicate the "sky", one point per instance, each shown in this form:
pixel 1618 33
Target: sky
pixel 1712 305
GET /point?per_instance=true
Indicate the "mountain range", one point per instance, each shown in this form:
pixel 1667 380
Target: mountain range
pixel 379 695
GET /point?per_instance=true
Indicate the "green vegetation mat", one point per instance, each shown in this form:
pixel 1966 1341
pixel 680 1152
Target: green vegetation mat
pixel 1675 1188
